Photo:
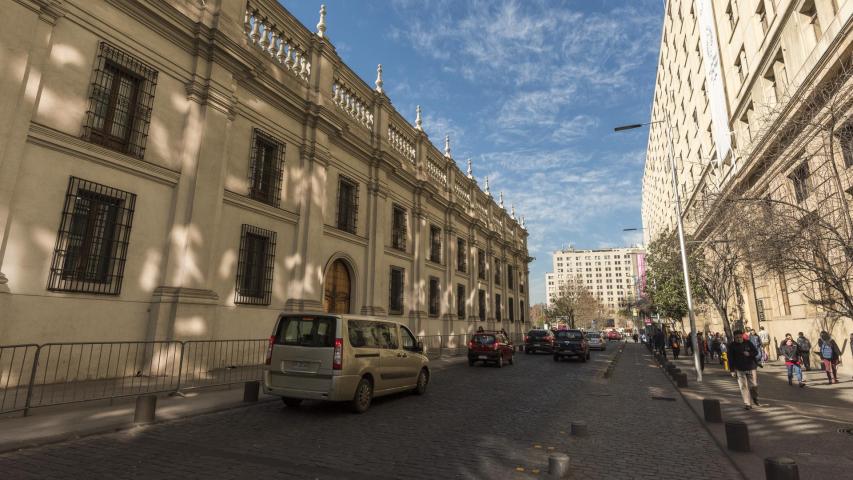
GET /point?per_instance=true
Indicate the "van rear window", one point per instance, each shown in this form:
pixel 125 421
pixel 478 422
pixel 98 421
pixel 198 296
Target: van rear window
pixel 306 331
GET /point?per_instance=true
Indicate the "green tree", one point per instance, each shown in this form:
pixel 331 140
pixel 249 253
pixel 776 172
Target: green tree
pixel 665 277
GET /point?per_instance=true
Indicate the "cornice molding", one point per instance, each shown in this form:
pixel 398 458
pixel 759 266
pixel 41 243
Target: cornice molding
pixel 242 201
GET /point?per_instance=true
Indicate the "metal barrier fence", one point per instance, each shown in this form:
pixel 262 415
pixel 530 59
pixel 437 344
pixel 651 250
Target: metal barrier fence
pixel 16 371
pixel 222 362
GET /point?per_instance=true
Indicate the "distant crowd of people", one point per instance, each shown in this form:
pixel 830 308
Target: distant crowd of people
pixel 749 350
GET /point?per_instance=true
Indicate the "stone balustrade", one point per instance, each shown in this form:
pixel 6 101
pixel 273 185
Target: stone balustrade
pixel 437 171
pixel 401 143
pixel 347 100
pixel 281 47
pixel 483 211
pixel 463 191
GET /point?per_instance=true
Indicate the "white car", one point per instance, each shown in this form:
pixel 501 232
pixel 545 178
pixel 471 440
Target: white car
pixel 595 341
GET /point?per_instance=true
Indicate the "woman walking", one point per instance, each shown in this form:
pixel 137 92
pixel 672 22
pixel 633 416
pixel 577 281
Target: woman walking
pixel 675 344
pixel 830 355
pixel 793 358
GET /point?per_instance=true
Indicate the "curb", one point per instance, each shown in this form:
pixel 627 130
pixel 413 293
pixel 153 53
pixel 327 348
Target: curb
pixel 608 372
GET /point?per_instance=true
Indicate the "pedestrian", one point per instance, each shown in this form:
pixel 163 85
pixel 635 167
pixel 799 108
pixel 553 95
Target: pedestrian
pixel 660 343
pixel 764 338
pixel 715 348
pixel 788 336
pixel 830 355
pixel 756 340
pixel 480 330
pixel 675 344
pixel 703 350
pixel 793 357
pixel 805 350
pixel 743 362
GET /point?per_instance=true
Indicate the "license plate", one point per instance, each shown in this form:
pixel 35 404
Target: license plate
pixel 482 357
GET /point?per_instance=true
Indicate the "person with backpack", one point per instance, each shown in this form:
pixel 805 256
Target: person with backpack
pixel 756 340
pixel 675 344
pixel 743 363
pixel 792 355
pixel 764 338
pixel 830 355
pixel 805 350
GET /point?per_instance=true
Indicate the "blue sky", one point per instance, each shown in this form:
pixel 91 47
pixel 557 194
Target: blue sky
pixel 530 90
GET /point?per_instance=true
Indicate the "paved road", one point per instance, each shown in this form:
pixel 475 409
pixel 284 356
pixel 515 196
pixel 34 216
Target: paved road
pixel 480 422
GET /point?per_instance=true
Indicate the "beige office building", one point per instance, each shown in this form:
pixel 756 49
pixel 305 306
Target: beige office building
pixel 729 72
pixel 186 170
pixel 611 274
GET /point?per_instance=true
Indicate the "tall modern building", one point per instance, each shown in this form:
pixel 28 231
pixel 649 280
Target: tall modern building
pixel 187 170
pixel 732 79
pixel 613 275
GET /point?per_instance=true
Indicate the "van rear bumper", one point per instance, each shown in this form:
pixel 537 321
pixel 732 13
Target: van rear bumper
pixel 336 388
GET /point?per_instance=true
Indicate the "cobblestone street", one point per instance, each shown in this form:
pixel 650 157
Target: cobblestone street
pixel 480 422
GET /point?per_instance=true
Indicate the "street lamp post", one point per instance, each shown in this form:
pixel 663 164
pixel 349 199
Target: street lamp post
pixel 671 154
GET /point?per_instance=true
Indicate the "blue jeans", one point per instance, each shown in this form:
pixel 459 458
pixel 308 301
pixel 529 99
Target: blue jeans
pixel 795 369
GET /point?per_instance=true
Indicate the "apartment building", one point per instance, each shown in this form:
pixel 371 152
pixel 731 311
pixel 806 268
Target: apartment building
pixel 186 170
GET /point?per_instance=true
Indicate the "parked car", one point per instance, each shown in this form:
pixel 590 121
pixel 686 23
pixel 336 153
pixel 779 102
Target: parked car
pixel 342 358
pixel 492 347
pixel 571 343
pixel 613 335
pixel 595 340
pixel 539 340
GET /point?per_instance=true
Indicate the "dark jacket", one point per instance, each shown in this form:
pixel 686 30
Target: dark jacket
pixel 743 356
pixel 804 344
pixel 791 353
pixel 836 352
pixel 674 342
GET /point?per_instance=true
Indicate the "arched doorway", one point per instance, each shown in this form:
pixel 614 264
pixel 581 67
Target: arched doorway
pixel 336 295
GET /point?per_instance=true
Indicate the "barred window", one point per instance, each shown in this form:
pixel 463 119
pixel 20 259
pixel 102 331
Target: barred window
pixel 461 255
pixel 802 181
pixel 497 272
pixel 434 295
pixel 434 244
pixel 510 277
pixel 347 204
pixel 497 307
pixel 266 168
pixel 398 228
pixel 91 246
pixel 395 295
pixel 845 138
pixel 481 264
pixel 510 309
pixel 255 266
pixel 120 101
pixel 481 304
pixel 521 311
pixel 460 301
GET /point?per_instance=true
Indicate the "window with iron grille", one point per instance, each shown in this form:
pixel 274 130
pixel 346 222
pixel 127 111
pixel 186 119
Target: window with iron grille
pixel 266 168
pixel 481 304
pixel 510 309
pixel 497 272
pixel 802 180
pixel 481 264
pixel 433 297
pixel 461 255
pixel 255 266
pixel 120 101
pixel 521 311
pixel 398 228
pixel 497 307
pixel 91 246
pixel 347 204
pixel 845 138
pixel 434 244
pixel 395 288
pixel 510 277
pixel 460 301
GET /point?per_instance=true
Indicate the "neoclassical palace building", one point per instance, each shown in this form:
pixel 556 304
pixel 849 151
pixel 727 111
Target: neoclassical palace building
pixel 188 169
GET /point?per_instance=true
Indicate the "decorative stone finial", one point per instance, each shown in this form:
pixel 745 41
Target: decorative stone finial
pixel 470 170
pixel 379 79
pixel 447 146
pixel 501 195
pixel 522 221
pixel 321 25
pixel 418 123
pixel 486 189
pixel 512 211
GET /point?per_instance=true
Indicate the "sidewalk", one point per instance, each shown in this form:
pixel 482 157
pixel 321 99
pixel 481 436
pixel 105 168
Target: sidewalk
pixel 65 422
pixel 806 424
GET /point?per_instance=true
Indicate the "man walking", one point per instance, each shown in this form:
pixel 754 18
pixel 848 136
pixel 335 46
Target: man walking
pixel 765 342
pixel 660 343
pixel 805 350
pixel 743 362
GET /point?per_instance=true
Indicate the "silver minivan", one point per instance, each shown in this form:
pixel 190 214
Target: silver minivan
pixel 342 358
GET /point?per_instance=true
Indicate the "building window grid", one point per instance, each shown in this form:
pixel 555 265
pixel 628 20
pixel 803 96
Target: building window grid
pixel 461 255
pixel 481 304
pixel 266 168
pixel 347 204
pixel 398 228
pixel 481 264
pixel 255 266
pixel 92 242
pixel 497 307
pixel 497 272
pixel 120 102
pixel 460 301
pixel 395 290
pixel 434 297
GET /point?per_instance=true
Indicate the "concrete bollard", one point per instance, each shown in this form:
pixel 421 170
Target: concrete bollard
pixel 781 468
pixel 146 408
pixel 711 408
pixel 558 465
pixel 250 391
pixel 737 437
pixel 681 380
pixel 579 429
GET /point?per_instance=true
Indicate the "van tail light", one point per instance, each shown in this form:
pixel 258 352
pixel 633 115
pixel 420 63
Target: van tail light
pixel 338 356
pixel 269 349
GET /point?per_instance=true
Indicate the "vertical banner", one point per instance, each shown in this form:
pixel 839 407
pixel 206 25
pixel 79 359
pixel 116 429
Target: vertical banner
pixel 713 78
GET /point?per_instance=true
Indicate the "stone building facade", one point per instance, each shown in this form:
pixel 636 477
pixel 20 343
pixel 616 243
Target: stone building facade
pixel 763 59
pixel 188 169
